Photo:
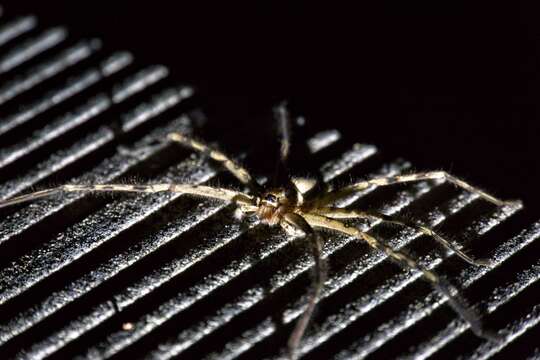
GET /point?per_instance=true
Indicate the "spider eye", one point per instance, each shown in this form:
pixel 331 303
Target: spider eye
pixel 270 198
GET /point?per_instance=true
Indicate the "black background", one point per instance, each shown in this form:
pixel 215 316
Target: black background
pixel 447 85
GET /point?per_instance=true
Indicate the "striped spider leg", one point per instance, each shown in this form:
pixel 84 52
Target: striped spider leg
pixel 229 164
pixel 241 199
pixel 340 213
pixel 334 195
pixel 455 300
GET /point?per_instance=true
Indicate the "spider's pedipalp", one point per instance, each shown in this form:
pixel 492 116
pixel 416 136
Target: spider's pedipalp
pixel 232 166
pixel 339 213
pixel 397 179
pixel 297 221
pixel 459 305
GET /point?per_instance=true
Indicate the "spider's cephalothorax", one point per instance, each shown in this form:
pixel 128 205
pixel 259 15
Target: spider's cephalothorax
pixel 273 204
pixel 287 207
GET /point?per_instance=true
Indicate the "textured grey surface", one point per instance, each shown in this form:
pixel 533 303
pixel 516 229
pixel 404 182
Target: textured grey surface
pixel 186 278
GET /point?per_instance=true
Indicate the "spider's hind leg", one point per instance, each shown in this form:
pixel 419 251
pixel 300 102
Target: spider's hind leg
pixel 338 213
pixel 457 303
pixel 299 223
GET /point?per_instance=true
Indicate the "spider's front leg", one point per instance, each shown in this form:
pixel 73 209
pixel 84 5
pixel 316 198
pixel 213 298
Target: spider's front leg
pixel 297 222
pixel 228 163
pixel 191 189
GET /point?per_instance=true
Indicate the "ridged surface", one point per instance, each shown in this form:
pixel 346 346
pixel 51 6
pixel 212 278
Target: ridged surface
pixel 165 276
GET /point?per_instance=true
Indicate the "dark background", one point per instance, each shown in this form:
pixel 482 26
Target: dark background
pixel 446 85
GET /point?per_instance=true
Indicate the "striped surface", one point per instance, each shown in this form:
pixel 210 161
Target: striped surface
pixel 165 276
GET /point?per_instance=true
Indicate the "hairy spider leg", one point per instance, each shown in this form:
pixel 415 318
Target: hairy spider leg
pixel 228 163
pixel 198 190
pixel 298 222
pixel 431 175
pixel 459 304
pixel 339 213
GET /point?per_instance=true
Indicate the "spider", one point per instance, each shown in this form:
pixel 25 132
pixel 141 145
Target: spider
pixel 301 207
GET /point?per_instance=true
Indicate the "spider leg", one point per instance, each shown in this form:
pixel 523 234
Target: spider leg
pixel 298 222
pixel 283 126
pixel 283 119
pixel 338 213
pixel 457 303
pixel 232 166
pixel 199 190
pixel 431 175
